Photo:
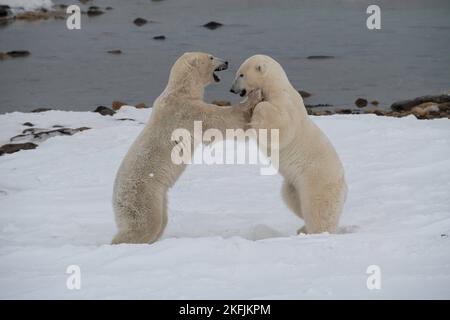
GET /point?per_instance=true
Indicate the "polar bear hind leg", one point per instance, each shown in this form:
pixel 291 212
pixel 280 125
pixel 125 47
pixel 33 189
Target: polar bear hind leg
pixel 141 220
pixel 322 206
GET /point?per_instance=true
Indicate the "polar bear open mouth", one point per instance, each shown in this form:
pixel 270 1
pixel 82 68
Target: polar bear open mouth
pixel 219 68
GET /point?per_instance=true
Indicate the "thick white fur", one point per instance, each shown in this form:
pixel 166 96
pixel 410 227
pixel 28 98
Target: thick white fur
pixel 147 172
pixel 314 185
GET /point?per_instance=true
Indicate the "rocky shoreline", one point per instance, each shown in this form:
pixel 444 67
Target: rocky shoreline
pixel 423 108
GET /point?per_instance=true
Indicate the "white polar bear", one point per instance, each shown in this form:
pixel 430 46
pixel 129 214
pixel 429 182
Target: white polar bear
pixel 314 186
pixel 147 171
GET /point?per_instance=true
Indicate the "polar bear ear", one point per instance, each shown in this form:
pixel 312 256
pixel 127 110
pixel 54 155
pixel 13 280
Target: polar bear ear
pixel 261 68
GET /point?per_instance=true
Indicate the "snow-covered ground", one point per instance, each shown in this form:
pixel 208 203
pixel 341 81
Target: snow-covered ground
pixel 229 235
pixel 27 5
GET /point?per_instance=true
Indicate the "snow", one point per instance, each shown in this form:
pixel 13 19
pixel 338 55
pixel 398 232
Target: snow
pixel 229 234
pixel 27 5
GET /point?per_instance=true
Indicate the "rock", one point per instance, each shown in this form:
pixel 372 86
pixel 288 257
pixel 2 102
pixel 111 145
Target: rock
pixel 140 106
pixel 318 105
pixel 15 147
pixel 304 94
pixel 319 57
pixel 80 129
pixel 344 111
pixel 444 108
pixel 109 8
pixel 18 53
pixel 379 112
pixel 407 105
pixel 104 111
pixel 125 119
pixel 37 134
pixel 33 15
pixel 41 110
pixel 212 25
pixel 374 102
pixel 116 105
pixel 42 14
pixel 322 113
pixel 94 11
pixel 84 1
pixel 27 124
pixel 115 51
pixel 361 103
pixel 5 11
pixel 162 37
pixel 418 112
pixel 222 103
pixel 140 21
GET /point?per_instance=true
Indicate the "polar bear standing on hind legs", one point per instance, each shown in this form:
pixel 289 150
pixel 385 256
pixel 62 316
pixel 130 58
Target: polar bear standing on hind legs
pixel 147 171
pixel 314 185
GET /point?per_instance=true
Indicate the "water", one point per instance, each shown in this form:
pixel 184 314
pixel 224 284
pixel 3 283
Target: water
pixel 71 70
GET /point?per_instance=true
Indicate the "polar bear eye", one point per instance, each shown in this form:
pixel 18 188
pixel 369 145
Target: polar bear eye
pixel 210 58
pixel 241 75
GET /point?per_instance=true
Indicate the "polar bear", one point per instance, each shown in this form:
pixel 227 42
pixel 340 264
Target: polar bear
pixel 147 172
pixel 314 185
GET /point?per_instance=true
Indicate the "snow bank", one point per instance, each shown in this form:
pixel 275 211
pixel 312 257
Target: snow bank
pixel 229 234
pixel 27 5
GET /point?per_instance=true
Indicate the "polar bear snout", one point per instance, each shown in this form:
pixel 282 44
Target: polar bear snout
pixel 222 66
pixel 238 87
pixel 218 65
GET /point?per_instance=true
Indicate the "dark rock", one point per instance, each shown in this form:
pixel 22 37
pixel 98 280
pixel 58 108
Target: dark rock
pixel 319 57
pixel 28 124
pixel 5 11
pixel 407 105
pixel 222 103
pixel 41 110
pixel 115 51
pixel 374 102
pixel 304 94
pixel 14 147
pixel 116 105
pixel 140 21
pixel 84 1
pixel 109 8
pixel 94 11
pixel 344 111
pixel 36 134
pixel 57 126
pixel 162 37
pixel 80 129
pixel 18 53
pixel 379 112
pixel 212 25
pixel 444 108
pixel 361 103
pixel 318 105
pixel 126 119
pixel 104 111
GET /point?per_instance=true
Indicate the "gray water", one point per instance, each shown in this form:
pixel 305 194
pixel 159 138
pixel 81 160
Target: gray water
pixel 71 69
